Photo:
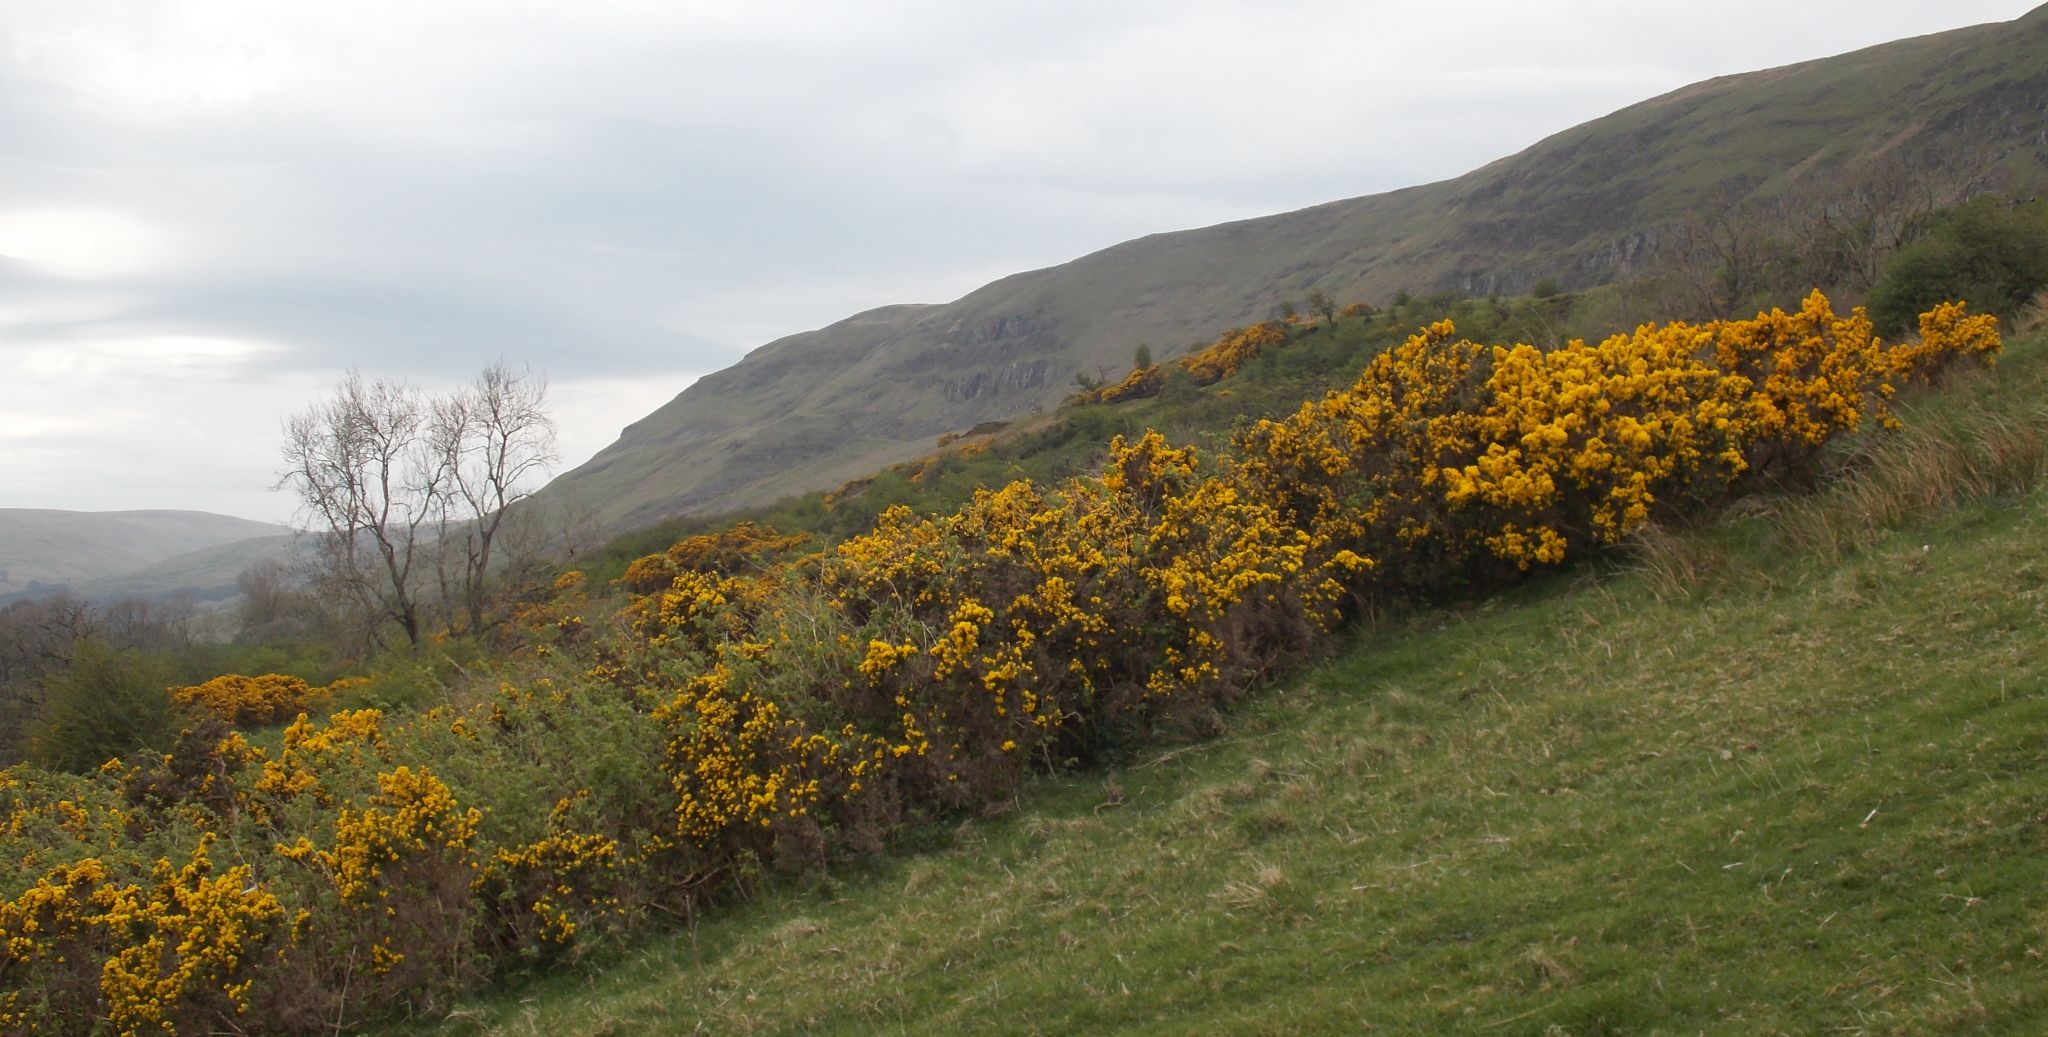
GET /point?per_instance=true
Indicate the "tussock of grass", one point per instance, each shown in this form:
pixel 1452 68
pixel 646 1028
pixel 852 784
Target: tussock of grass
pixel 1944 458
pixel 1674 566
pixel 1781 774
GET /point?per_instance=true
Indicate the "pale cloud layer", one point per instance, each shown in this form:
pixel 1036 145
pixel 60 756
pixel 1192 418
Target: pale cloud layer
pixel 209 210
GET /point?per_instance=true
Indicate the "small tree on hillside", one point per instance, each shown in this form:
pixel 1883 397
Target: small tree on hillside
pixel 1322 305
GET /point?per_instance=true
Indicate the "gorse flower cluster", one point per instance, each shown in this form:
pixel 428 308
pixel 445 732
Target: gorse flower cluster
pixel 256 701
pixel 749 709
pixel 1449 459
pixel 1207 366
pixel 743 546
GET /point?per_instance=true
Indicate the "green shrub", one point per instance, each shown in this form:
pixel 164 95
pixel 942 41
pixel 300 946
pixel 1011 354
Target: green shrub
pixel 109 702
pixel 1991 253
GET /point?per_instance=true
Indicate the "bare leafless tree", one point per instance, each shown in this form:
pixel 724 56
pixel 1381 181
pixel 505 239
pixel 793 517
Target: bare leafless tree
pixel 37 636
pixel 151 626
pixel 280 601
pixel 404 486
pixel 1723 255
pixel 491 437
pixel 371 485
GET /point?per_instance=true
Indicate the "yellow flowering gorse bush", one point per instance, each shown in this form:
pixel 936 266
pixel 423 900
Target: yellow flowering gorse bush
pixel 249 701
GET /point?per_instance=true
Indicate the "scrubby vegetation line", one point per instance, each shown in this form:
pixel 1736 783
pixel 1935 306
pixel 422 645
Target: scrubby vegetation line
pixel 758 709
pixel 1507 816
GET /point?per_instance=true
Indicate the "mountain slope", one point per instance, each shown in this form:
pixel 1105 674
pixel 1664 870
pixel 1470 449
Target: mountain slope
pixel 210 574
pixel 1780 775
pixel 48 548
pixel 1584 206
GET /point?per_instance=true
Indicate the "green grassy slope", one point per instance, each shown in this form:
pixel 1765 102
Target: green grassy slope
pixel 1781 774
pixel 1585 206
pixel 57 548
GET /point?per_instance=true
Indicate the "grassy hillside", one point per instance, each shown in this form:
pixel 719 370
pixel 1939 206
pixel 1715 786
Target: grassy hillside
pixel 208 576
pixel 1587 206
pixel 59 548
pixel 1779 774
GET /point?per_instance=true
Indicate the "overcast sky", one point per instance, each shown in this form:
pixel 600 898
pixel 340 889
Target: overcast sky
pixel 209 211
